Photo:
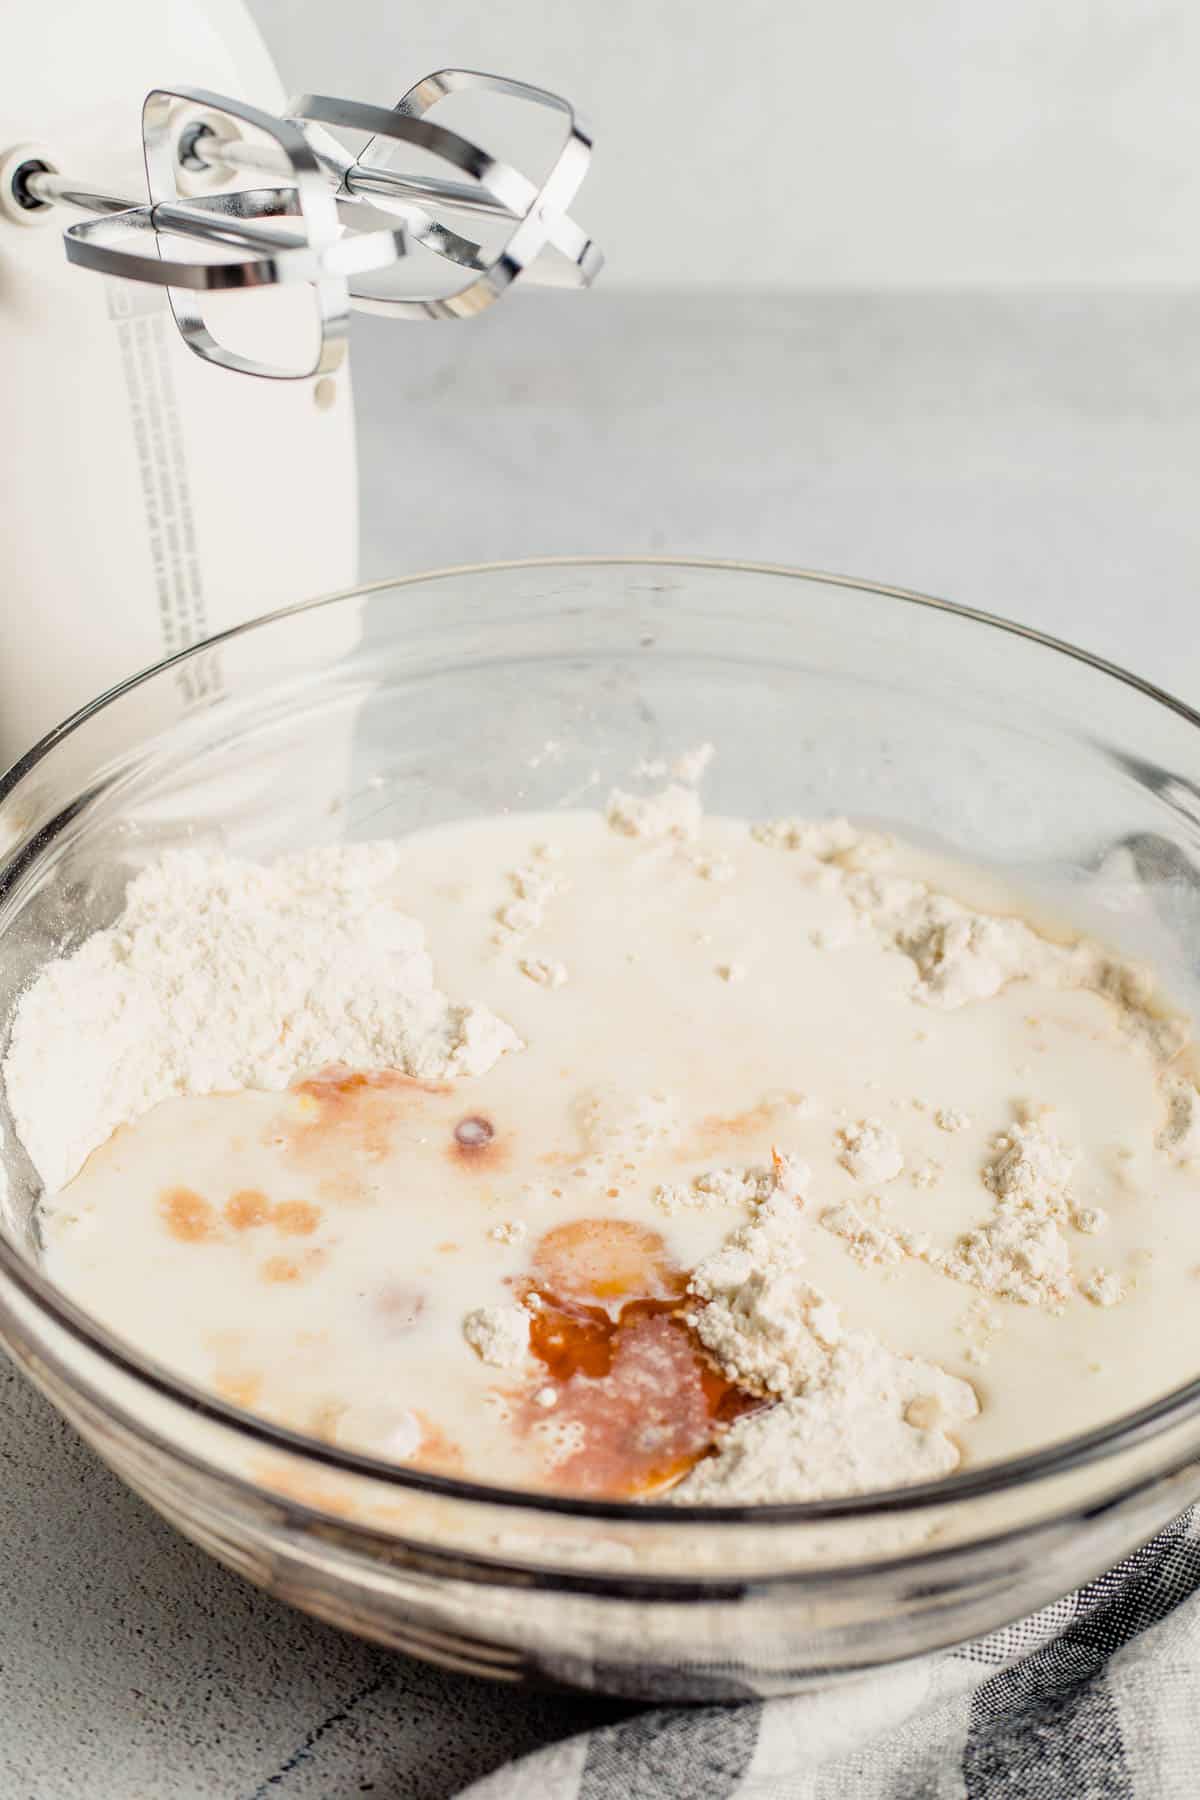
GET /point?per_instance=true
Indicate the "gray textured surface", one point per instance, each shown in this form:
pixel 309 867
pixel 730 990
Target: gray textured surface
pixel 1035 456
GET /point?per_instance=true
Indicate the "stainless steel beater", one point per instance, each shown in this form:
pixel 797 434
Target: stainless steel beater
pixel 324 218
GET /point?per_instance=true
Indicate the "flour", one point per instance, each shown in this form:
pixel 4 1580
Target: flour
pixel 870 1420
pixel 689 766
pixel 734 1187
pixel 867 1241
pixel 692 765
pixel 533 887
pixel 716 1187
pixel 824 840
pixel 675 813
pixel 870 1151
pixel 1016 1258
pixel 1090 1219
pixel 221 974
pixel 1033 1170
pixel 851 1415
pixel 1018 1253
pixel 544 971
pixel 1180 1135
pixel 961 955
pixel 1104 1288
pixel 499 1335
pixel 713 868
pixel 765 1325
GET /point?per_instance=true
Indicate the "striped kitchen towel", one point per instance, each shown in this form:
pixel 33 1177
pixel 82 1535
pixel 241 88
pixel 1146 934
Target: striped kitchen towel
pixel 1095 1698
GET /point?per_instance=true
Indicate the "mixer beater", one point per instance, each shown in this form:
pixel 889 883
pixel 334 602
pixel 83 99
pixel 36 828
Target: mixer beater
pixel 352 215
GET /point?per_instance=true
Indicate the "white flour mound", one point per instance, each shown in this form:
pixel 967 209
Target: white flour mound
pixel 221 974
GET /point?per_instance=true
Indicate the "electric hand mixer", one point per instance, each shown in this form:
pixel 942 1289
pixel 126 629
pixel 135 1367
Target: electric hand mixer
pixel 151 499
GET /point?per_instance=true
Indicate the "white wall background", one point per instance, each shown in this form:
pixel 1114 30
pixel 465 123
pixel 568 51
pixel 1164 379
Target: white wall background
pixel 845 142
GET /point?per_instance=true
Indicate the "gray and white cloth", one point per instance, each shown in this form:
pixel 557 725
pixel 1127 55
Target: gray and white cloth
pixel 1094 1698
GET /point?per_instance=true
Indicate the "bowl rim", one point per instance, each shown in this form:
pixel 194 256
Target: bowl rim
pixel 1064 1457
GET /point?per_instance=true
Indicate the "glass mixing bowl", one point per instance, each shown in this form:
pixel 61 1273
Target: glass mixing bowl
pixel 535 685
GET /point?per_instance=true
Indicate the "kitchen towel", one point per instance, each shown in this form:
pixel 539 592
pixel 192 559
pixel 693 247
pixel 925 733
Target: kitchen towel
pixel 1095 1698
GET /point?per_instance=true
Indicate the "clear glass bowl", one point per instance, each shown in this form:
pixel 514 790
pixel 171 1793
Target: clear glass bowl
pixel 522 685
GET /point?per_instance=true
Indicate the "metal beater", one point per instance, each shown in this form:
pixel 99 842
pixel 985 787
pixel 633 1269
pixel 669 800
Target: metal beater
pixel 352 216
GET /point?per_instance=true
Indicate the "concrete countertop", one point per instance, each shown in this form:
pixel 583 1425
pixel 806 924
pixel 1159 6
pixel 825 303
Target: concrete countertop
pixel 1035 456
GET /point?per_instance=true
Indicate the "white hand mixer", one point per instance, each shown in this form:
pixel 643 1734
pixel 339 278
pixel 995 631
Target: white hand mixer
pixel 150 499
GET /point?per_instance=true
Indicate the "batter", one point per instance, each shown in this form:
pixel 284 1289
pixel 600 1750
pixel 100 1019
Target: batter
pixel 748 1162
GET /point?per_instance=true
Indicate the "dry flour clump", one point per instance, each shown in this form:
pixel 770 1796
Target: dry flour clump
pixel 713 867
pixel 949 1118
pixel 1180 1135
pixel 961 955
pixel 873 1420
pixel 1033 1170
pixel 870 1151
pixel 851 1414
pixel 544 971
pixel 499 1335
pixel 675 813
pixel 533 887
pixel 868 1242
pixel 222 974
pixel 763 1322
pixel 1104 1288
pixel 834 841
pixel 1020 1253
pixel 735 1187
pixel 691 765
pixel 1016 1258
